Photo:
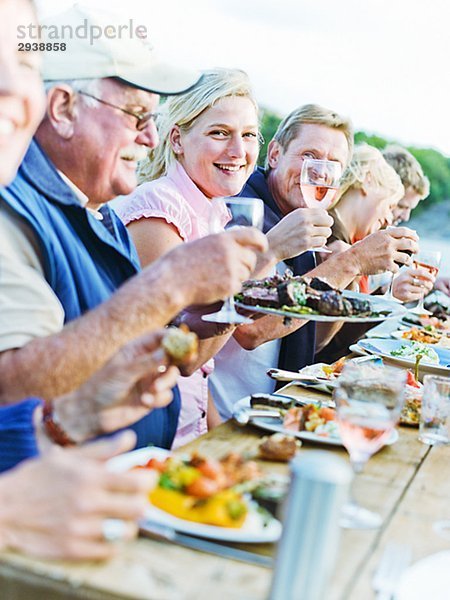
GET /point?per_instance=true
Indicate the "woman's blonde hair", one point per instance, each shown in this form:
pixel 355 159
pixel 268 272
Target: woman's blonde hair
pixel 184 110
pixel 369 165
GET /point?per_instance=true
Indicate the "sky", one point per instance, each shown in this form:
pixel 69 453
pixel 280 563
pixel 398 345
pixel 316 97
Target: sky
pixel 384 63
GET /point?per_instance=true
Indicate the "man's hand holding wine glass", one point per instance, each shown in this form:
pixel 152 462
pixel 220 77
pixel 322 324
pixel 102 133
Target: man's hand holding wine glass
pixel 298 231
pixel 412 284
pixel 386 250
pixel 428 260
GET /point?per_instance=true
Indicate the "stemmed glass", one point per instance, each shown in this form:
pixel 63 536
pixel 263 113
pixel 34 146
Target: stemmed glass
pixel 227 213
pixel 319 182
pixel 368 400
pixel 388 295
pixel 429 260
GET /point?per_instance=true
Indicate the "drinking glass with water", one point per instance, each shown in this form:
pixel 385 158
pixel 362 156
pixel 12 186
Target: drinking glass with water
pixel 435 416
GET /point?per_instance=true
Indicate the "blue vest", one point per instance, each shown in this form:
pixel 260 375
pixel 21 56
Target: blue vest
pixel 84 260
pixel 298 348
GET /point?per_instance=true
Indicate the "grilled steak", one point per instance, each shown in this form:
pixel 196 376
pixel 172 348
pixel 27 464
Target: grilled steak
pixel 260 296
pixel 360 308
pixel 292 293
pixel 320 285
pixel 279 291
pixel 332 304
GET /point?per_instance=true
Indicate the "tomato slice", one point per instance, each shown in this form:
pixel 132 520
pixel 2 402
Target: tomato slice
pixel 411 380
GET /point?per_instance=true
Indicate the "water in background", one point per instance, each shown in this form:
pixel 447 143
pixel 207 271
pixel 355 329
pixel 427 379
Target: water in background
pixel 433 227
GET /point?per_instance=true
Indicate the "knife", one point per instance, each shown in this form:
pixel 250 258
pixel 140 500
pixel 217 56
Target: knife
pixel 279 401
pixel 368 347
pixel 282 375
pixel 160 532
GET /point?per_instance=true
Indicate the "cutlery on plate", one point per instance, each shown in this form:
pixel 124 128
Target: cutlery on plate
pixel 165 533
pixel 395 559
pixel 368 347
pixel 374 359
pixel 286 402
pixel 272 400
pixel 282 375
pixel 242 416
pixel 276 401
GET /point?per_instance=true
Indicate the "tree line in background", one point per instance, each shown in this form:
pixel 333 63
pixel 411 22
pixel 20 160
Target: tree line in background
pixel 434 164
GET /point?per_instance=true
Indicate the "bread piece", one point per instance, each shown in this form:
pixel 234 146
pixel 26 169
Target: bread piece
pixel 180 345
pixel 278 447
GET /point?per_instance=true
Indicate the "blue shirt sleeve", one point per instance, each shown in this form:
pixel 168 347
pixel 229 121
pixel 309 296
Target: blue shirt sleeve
pixel 17 435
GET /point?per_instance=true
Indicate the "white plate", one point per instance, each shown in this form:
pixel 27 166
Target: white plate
pixel 442 342
pixel 384 348
pixel 410 320
pixel 275 426
pixel 378 304
pixel 252 531
pixel 384 329
pixel 427 578
pixel 398 334
pixel 316 370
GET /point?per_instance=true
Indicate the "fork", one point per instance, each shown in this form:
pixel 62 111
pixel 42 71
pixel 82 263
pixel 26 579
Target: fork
pixel 395 559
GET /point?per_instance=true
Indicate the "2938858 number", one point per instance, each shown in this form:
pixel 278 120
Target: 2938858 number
pixel 42 46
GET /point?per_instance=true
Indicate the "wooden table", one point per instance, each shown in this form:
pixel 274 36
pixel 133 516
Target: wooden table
pixel 408 483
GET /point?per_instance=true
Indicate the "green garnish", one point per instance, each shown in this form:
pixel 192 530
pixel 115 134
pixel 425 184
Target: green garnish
pixel 301 310
pixel 167 483
pixel 236 508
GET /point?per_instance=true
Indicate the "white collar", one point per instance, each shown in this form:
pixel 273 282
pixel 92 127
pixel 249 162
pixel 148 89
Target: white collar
pixel 81 196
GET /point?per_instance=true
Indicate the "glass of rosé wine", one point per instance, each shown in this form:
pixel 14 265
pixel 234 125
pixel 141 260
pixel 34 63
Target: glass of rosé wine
pixel 369 399
pixel 429 260
pixel 319 182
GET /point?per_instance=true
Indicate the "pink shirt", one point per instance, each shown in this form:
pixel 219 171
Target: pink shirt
pixel 176 199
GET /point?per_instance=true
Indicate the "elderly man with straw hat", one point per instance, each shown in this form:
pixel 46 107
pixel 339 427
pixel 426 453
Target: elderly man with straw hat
pixel 72 293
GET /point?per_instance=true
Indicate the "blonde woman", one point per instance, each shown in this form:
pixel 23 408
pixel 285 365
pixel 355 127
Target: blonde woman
pixel 209 146
pixel 368 200
pixel 370 190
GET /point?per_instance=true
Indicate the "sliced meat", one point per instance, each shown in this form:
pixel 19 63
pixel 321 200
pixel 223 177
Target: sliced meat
pixel 259 296
pixel 359 307
pixel 292 293
pixel 320 285
pixel 331 303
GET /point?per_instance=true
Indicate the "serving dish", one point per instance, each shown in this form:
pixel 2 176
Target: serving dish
pixel 382 309
pixel 276 426
pixel 384 348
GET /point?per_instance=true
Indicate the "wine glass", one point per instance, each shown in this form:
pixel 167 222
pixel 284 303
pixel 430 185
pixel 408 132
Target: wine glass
pixel 388 295
pixel 319 182
pixel 429 260
pixel 368 399
pixel 227 213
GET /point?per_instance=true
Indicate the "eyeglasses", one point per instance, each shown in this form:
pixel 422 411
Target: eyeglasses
pixel 142 118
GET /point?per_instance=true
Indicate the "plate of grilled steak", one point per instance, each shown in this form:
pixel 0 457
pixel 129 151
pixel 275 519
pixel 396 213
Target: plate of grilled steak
pixel 313 299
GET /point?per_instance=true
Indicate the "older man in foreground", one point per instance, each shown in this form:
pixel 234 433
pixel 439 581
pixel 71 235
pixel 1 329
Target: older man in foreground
pixel 72 291
pixel 67 503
